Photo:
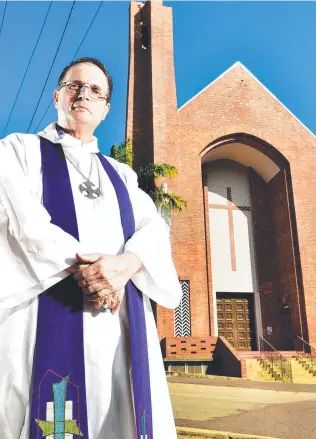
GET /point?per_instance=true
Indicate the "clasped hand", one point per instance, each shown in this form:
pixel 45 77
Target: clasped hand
pixel 102 278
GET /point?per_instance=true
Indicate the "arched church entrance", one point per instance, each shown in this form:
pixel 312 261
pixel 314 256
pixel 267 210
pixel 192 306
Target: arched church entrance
pixel 251 238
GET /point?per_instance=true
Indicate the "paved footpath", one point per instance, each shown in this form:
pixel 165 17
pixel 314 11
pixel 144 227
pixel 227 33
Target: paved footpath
pixel 285 411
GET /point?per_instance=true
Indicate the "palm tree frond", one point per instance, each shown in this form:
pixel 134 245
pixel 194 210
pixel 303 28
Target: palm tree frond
pixel 157 170
pixel 168 201
pixel 123 153
pixel 147 176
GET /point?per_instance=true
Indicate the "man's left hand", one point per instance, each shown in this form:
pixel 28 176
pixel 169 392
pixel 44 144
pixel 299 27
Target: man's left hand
pixel 103 278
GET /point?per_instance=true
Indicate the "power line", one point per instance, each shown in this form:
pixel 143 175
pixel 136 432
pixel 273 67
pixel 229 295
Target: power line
pixel 101 3
pixel 2 21
pixel 91 23
pixel 51 67
pixel 27 68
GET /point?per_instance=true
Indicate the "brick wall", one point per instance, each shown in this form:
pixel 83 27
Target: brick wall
pixel 238 107
pixel 285 261
pixel 188 347
pixel 226 361
pixel 237 103
pixel 139 114
pixel 265 245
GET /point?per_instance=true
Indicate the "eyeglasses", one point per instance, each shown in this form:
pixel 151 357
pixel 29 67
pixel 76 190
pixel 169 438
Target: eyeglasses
pixel 94 91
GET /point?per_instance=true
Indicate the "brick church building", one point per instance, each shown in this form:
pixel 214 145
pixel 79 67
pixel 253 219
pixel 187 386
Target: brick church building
pixel 245 246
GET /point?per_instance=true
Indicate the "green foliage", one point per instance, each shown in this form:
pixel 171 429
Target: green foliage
pixel 168 201
pixel 123 153
pixel 147 176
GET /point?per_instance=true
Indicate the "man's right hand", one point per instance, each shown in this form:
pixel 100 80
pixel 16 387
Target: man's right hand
pixel 112 301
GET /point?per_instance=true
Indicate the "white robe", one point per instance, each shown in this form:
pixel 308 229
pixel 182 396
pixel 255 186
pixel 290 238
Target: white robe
pixel 33 256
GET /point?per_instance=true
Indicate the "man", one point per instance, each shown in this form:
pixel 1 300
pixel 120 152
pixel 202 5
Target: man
pixel 79 352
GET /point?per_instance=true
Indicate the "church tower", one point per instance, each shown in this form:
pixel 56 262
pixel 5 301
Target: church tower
pixel 244 248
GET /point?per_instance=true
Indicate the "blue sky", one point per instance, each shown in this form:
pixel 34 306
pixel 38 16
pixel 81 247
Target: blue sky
pixel 276 41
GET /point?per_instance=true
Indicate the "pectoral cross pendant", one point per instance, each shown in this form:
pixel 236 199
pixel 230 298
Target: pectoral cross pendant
pixel 87 189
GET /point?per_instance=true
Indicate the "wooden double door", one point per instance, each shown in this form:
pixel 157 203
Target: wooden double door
pixel 235 320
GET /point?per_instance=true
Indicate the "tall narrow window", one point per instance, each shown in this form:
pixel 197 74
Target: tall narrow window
pixel 182 323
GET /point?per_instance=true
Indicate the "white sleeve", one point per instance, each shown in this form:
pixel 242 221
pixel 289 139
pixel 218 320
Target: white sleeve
pixel 33 252
pixel 151 244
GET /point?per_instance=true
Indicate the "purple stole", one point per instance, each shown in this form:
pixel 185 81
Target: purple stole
pixel 58 386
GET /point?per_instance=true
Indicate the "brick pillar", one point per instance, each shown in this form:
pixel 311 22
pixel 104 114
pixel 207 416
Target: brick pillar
pixel 291 319
pixel 139 116
pixel 153 124
pixel 152 120
pixel 265 252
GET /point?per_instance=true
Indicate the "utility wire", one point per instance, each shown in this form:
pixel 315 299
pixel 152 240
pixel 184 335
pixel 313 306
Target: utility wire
pixel 51 67
pixel 27 68
pixel 85 35
pixel 82 41
pixel 2 21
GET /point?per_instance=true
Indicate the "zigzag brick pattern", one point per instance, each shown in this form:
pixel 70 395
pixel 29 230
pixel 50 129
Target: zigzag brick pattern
pixel 182 322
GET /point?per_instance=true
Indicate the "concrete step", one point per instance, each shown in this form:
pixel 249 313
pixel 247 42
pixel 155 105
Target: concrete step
pixel 307 365
pixel 258 354
pixel 300 374
pixel 255 372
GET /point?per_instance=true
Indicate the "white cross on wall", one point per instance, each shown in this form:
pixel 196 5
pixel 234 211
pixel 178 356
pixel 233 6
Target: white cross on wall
pixel 230 207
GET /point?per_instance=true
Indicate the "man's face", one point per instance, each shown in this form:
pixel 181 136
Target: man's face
pixel 80 108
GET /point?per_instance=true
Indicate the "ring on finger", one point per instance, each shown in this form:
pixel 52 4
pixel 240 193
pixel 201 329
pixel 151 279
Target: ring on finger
pixel 104 307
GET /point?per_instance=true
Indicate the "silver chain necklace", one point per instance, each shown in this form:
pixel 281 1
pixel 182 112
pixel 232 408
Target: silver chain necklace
pixel 86 188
